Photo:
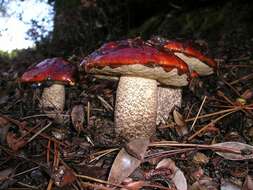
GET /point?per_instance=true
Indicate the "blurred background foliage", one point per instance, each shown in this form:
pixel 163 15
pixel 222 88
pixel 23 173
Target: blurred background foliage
pixel 80 26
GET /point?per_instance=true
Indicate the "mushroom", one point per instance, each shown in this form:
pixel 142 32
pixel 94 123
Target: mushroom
pixel 56 71
pixel 141 68
pixel 150 79
pixel 198 63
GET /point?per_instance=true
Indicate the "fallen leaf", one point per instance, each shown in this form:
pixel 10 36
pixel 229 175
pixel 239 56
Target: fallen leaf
pixel 245 151
pixel 247 94
pixel 127 161
pixel 227 185
pixel 177 176
pixel 205 183
pixel 137 148
pixel 200 158
pixel 63 176
pixel 133 185
pixel 197 173
pixel 248 183
pixel 77 117
pixel 4 174
pixel 178 118
pixel 6 179
pixel 4 127
pixel 181 126
pixel 13 142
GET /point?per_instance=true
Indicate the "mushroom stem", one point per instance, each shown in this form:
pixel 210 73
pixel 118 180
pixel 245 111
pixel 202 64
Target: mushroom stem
pixel 136 107
pixel 53 99
pixel 168 98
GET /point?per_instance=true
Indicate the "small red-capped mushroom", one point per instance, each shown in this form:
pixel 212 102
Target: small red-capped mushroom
pixel 60 73
pixel 141 68
pixel 196 60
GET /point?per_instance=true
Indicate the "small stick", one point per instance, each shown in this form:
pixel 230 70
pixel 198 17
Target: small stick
pixel 88 113
pixel 48 151
pixel 249 76
pixel 44 115
pixel 102 153
pixel 198 112
pixel 105 103
pixel 206 126
pixel 196 146
pixel 212 114
pixel 21 173
pixel 40 131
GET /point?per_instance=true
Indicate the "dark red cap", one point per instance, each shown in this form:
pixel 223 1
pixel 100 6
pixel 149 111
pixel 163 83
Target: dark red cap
pixel 122 57
pixel 193 57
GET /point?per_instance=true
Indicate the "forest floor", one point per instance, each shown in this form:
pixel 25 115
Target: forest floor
pixel 36 153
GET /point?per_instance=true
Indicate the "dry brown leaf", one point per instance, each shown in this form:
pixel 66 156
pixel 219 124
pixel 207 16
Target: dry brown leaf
pixel 248 183
pixel 137 148
pixel 247 94
pixel 4 127
pixel 200 158
pixel 205 183
pixel 63 176
pixel 181 127
pixel 227 185
pixel 6 178
pixel 177 176
pixel 127 161
pixel 245 150
pixel 197 173
pixel 77 117
pixel 133 185
pixel 13 142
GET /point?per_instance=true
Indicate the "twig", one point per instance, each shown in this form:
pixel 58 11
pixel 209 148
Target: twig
pixel 220 93
pixel 105 103
pixel 21 173
pixel 196 146
pixel 100 154
pixel 230 86
pixel 169 153
pixel 40 131
pixel 23 126
pixel 206 126
pixel 88 113
pixel 213 114
pixel 44 115
pixel 198 112
pixel 97 180
pixel 249 76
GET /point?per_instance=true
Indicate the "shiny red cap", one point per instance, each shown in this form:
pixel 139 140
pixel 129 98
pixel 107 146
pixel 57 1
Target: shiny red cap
pixel 53 69
pixel 190 51
pixel 185 51
pixel 130 52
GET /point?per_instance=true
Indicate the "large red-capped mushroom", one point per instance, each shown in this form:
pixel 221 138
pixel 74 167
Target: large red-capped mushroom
pixel 141 68
pixel 150 78
pixel 58 71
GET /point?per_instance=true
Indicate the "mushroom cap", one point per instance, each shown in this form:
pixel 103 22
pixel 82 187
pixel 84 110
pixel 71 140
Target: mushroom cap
pixel 53 69
pixel 193 57
pixel 134 57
